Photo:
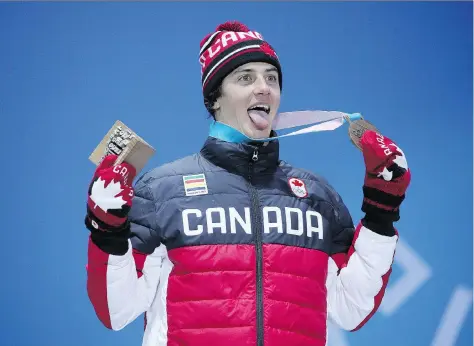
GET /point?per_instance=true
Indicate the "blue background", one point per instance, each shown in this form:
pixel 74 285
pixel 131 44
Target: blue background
pixel 69 70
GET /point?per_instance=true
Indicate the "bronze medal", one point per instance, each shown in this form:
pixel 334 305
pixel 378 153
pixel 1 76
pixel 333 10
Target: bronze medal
pixel 357 129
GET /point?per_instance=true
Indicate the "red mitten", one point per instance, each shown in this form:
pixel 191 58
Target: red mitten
pixel 110 196
pixel 386 178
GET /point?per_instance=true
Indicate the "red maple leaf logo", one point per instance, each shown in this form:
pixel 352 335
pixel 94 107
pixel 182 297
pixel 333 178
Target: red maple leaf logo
pixel 297 183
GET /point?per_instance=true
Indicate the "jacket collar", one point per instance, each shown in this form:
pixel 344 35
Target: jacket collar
pixel 242 158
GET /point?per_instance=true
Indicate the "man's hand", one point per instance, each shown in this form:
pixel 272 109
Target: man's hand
pixel 110 197
pixel 386 178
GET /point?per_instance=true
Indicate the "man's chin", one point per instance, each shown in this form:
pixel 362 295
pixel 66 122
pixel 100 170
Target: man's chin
pixel 257 133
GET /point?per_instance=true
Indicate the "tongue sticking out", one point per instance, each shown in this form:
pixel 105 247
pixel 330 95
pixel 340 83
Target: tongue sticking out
pixel 259 118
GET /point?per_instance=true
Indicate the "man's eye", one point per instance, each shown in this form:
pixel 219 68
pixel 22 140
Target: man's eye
pixel 246 78
pixel 273 78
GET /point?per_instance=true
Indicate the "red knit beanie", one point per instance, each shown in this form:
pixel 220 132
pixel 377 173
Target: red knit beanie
pixel 230 46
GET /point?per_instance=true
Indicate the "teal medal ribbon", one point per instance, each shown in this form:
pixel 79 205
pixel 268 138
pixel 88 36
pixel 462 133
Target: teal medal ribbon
pixel 317 121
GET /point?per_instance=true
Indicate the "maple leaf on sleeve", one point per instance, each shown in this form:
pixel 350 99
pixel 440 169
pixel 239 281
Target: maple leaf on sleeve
pixel 297 183
pixel 105 197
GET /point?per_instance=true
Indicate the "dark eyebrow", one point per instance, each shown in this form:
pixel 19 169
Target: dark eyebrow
pixel 239 70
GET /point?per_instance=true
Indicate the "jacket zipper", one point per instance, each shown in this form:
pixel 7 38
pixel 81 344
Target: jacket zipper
pixel 258 248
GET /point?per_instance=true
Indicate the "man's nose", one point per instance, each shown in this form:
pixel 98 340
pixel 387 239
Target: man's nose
pixel 261 86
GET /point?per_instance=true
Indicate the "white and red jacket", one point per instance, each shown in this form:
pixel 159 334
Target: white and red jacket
pixel 232 246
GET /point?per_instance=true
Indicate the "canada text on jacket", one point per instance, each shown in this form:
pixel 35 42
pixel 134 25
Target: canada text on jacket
pixel 274 219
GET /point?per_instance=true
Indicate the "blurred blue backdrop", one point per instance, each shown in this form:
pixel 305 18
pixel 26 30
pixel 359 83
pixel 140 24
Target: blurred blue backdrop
pixel 69 70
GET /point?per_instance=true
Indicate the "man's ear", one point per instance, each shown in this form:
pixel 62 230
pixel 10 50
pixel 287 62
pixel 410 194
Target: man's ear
pixel 216 106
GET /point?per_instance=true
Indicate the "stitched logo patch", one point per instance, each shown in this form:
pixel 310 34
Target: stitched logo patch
pixel 298 187
pixel 195 185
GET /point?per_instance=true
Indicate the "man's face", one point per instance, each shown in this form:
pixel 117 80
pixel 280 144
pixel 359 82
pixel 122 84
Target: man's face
pixel 250 99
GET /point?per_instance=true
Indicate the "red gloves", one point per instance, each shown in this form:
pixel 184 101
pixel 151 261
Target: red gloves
pixel 110 197
pixel 387 177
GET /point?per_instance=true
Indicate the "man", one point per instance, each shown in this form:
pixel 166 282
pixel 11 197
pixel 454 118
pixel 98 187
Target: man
pixel 231 245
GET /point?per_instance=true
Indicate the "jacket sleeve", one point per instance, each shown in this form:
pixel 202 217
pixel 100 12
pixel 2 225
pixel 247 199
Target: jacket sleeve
pixel 122 286
pixel 360 265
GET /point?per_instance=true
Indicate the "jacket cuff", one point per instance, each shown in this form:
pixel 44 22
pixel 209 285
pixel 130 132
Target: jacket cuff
pixel 113 242
pixel 112 246
pixel 379 226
